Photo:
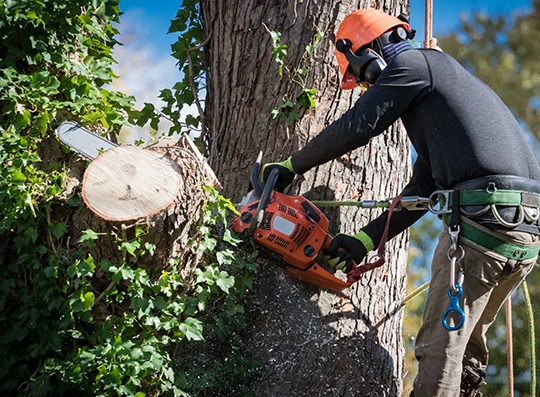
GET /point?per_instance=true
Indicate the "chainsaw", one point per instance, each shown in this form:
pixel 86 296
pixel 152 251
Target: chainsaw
pixel 291 227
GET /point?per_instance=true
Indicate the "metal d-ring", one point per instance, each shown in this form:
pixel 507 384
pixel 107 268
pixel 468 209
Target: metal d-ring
pixel 444 208
pixel 454 307
pixel 531 214
pixel 509 225
pixel 474 214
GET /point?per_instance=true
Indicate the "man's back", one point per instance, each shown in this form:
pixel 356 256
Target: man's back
pixel 459 126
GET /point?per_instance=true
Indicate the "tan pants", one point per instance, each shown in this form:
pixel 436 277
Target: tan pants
pixel 442 353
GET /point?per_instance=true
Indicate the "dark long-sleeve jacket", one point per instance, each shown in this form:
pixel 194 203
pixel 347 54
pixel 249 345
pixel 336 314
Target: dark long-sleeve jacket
pixel 459 127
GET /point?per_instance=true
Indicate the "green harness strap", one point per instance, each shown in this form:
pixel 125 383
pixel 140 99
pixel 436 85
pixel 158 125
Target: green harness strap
pixel 482 236
pixel 497 197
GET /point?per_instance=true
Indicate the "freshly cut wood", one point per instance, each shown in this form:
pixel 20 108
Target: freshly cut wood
pixel 129 182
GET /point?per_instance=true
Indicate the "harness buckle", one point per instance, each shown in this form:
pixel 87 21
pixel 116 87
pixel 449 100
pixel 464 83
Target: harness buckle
pixel 444 207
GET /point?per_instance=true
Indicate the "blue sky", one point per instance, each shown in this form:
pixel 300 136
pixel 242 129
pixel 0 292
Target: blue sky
pixel 145 66
pixel 155 17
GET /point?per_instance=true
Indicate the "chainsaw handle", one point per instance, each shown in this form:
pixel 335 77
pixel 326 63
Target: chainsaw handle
pixel 257 184
pixel 266 193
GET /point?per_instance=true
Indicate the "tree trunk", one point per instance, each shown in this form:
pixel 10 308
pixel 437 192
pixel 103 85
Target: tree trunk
pixel 310 342
pixel 159 190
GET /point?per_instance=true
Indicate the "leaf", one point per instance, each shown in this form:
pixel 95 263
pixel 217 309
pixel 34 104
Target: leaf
pixel 151 248
pixel 192 329
pixel 88 235
pixel 17 176
pixel 224 281
pixel 58 229
pixel 127 273
pixel 130 247
pixel 276 36
pixel 292 117
pixel 230 238
pixel 88 300
pixel 225 257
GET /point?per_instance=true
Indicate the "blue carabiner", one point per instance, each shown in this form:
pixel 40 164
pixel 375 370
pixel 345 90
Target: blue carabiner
pixel 454 307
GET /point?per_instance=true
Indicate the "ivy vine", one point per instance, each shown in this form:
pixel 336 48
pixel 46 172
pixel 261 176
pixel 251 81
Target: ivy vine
pixel 306 98
pixel 55 64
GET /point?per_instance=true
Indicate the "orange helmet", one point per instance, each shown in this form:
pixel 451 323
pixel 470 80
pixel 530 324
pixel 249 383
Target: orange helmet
pixel 361 28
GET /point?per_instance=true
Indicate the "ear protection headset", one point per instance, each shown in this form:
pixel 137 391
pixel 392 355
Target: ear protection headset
pixel 366 64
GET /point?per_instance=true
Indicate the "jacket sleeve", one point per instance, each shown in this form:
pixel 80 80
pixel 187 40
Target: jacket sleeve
pixel 422 185
pixel 402 83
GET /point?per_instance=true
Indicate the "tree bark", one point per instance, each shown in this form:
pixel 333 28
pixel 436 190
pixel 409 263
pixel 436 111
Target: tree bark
pixel 310 342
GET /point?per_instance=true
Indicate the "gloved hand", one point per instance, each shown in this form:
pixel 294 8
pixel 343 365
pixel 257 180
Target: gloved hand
pixel 286 173
pixel 353 247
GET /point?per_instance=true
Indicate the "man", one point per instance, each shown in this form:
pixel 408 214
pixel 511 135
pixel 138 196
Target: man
pixel 467 142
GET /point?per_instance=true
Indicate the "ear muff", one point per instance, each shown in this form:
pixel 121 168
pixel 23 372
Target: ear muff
pixel 366 65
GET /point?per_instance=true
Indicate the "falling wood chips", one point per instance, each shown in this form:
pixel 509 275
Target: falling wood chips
pixel 128 183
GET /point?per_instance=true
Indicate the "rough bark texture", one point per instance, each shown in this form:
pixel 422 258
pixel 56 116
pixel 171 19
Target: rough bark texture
pixel 311 342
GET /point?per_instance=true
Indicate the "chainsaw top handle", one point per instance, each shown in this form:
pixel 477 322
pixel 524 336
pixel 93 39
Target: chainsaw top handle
pixel 257 184
pixel 266 194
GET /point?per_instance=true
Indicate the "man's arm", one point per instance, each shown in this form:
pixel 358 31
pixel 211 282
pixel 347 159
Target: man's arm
pixel 401 84
pixel 421 184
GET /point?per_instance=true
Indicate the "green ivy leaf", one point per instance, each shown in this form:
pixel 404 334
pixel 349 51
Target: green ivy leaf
pixel 224 281
pixel 192 329
pixel 131 247
pixel 88 235
pixel 292 117
pixel 58 229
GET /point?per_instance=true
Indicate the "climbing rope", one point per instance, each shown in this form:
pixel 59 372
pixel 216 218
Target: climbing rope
pixel 510 347
pixel 532 337
pixel 429 24
pixel 415 293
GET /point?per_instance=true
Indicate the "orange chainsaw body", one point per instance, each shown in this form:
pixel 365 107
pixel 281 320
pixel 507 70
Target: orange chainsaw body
pixel 296 230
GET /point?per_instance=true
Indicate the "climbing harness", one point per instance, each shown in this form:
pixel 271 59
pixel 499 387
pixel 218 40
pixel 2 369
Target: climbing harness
pixel 449 205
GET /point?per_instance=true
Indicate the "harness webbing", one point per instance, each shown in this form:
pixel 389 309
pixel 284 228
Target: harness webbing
pixel 485 237
pixel 498 197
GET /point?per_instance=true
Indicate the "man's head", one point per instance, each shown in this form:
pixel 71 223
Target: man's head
pixel 359 42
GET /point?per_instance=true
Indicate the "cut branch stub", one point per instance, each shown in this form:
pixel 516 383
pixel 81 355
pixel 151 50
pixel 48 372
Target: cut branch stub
pixel 128 183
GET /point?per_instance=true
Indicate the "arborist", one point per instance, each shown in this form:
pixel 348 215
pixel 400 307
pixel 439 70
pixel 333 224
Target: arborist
pixel 472 152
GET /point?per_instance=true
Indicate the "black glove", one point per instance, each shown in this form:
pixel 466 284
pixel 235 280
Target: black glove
pixel 346 248
pixel 286 173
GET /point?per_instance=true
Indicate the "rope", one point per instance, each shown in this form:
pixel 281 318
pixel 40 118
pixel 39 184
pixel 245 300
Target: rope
pixel 415 293
pixel 510 349
pixel 532 336
pixel 429 24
